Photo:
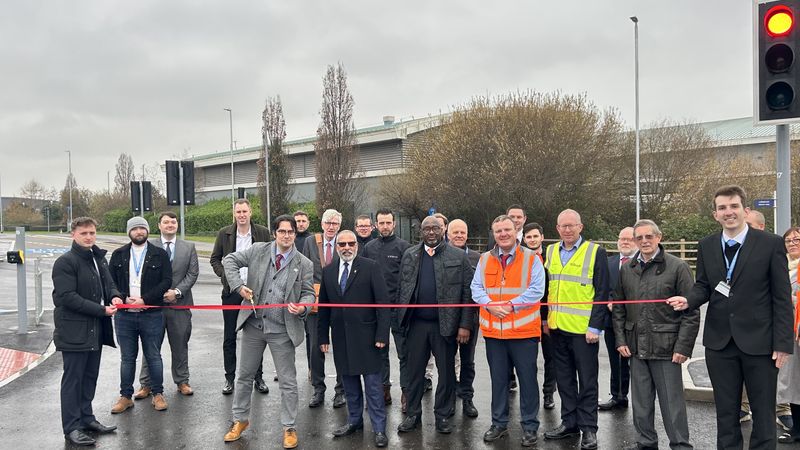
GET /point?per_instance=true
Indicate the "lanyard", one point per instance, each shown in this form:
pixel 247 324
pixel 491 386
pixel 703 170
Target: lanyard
pixel 729 265
pixel 137 264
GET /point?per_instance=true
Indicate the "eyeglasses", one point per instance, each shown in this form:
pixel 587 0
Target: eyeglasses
pixel 434 229
pixel 648 237
pixel 335 224
pixel 363 226
pixel 346 244
pixel 792 241
pixel 285 232
pixel 568 226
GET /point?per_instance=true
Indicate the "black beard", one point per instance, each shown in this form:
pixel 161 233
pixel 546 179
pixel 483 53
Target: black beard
pixel 139 241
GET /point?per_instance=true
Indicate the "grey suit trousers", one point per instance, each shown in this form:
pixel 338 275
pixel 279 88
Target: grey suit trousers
pixel 663 378
pixel 252 346
pixel 178 324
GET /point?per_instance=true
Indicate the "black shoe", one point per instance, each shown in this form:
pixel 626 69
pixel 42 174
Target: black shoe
pixel 275 378
pixel 428 385
pixel 99 427
pixel 469 409
pixel 561 432
pixel 549 403
pixel 228 388
pixel 638 446
pixel 409 424
pixel 443 425
pixel 381 440
pixel 613 403
pixel 589 440
pixel 529 438
pixel 316 400
pixel 78 437
pixel 261 386
pixel 494 433
pixel 338 400
pixel 348 429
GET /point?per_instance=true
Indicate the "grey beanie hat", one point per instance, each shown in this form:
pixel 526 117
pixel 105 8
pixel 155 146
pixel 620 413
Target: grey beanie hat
pixel 138 221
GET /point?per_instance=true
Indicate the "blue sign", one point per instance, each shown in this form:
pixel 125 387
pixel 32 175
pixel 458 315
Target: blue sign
pixel 432 211
pixel 764 203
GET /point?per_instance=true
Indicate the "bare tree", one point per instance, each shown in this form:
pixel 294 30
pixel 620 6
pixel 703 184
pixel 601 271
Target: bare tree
pixel 273 133
pixel 336 154
pixel 124 175
pixel 33 189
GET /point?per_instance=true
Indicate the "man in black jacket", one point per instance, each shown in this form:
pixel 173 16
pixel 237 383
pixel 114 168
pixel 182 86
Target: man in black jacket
pixel 235 238
pixel 83 292
pixel 363 229
pixel 434 273
pixel 143 274
pixel 387 250
pixel 301 217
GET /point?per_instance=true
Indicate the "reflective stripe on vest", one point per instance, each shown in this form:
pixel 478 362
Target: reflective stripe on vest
pixel 503 285
pixel 569 284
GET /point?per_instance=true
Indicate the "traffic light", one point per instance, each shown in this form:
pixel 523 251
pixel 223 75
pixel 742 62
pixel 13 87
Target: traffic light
pixel 777 77
pixel 135 197
pixel 174 184
pixel 141 191
pixel 188 182
pixel 241 193
pixel 147 196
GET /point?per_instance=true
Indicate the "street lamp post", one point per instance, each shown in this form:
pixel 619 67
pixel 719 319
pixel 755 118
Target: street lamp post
pixel 230 121
pixel 69 182
pixel 635 21
pixel 1 207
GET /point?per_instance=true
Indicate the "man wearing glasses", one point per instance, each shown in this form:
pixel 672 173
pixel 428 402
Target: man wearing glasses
pixel 433 273
pixel 364 230
pixel 321 250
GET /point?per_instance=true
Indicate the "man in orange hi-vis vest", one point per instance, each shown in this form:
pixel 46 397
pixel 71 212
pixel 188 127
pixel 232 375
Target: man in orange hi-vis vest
pixel 507 276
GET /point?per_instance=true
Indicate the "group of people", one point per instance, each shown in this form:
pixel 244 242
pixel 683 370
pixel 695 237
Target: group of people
pixel 564 296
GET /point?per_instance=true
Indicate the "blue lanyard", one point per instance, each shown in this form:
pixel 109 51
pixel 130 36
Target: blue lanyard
pixel 729 265
pixel 137 265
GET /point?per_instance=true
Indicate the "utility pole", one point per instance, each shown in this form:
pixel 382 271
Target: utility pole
pixel 230 121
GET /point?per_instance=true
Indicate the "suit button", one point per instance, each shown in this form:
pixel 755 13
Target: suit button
pixel 270 291
pixel 732 314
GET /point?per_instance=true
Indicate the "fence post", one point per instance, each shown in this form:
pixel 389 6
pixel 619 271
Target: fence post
pixel 683 248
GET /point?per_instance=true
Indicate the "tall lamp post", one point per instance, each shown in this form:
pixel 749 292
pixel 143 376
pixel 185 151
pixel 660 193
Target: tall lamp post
pixel 230 121
pixel 1 207
pixel 69 182
pixel 635 21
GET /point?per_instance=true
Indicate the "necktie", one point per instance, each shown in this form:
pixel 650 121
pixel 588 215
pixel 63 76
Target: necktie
pixel 328 255
pixel 504 260
pixel 624 260
pixel 431 251
pixel 343 280
pixel 731 248
pixel 278 260
pixel 169 250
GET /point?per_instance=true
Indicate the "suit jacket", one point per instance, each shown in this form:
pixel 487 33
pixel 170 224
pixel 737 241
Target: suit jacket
pixel 613 281
pixel 156 273
pixel 355 330
pixel 257 259
pixel 311 252
pixel 758 314
pixel 185 268
pixel 226 243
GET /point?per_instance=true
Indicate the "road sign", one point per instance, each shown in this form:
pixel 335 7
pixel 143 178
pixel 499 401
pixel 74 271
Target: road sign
pixel 764 203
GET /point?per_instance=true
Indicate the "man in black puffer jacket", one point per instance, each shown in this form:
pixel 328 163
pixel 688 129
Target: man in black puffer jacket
pixel 82 294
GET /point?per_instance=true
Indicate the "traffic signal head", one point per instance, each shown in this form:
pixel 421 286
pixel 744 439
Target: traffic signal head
pixel 777 79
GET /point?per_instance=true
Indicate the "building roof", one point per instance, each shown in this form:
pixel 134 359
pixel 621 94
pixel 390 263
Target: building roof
pixel 742 131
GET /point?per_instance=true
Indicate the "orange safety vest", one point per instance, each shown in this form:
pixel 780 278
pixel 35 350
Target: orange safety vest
pixel 797 310
pixel 504 285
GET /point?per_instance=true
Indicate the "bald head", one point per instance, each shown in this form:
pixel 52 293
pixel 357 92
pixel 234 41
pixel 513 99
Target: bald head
pixel 756 220
pixel 569 226
pixel 457 232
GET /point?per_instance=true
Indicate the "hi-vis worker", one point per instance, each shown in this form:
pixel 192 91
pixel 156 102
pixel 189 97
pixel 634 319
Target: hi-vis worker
pixel 578 275
pixel 509 275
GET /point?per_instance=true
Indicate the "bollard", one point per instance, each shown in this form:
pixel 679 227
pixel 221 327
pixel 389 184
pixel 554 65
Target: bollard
pixel 37 282
pixel 22 286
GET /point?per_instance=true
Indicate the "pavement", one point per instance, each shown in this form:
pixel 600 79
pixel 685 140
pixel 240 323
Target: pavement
pixel 30 372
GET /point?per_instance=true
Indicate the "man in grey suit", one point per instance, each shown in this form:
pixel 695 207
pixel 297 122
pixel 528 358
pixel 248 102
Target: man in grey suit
pixel 278 274
pixel 177 322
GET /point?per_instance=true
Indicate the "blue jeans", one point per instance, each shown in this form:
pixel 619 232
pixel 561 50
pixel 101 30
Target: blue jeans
pixel 149 326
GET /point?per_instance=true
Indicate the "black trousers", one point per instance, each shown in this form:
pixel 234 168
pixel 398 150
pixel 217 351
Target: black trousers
pixel 620 368
pixel 549 385
pixel 422 339
pixel 229 338
pixel 728 368
pixel 400 346
pixel 78 385
pixel 466 376
pixel 316 359
pixel 576 368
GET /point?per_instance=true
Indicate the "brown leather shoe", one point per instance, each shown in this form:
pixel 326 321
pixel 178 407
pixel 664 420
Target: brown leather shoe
pixel 123 404
pixel 236 431
pixel 143 392
pixel 387 395
pixel 159 402
pixel 403 403
pixel 185 389
pixel 289 438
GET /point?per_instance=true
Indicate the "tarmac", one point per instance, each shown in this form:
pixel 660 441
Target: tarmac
pixel 30 371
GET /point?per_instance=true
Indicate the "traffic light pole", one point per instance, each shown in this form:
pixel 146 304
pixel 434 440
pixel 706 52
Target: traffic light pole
pixel 22 286
pixel 183 206
pixel 783 197
pixel 141 198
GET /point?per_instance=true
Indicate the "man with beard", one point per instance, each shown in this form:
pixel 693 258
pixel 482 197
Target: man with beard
pixel 387 250
pixel 83 293
pixel 434 273
pixel 143 274
pixel 301 217
pixel 358 334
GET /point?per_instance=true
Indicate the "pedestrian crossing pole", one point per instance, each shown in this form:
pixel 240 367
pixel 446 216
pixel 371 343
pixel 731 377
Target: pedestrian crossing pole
pixel 22 287
pixel 783 172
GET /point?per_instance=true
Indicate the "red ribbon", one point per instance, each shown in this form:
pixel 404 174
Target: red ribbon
pixel 372 305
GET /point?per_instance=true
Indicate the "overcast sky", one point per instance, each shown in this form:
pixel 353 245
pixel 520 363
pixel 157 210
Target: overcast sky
pixel 151 78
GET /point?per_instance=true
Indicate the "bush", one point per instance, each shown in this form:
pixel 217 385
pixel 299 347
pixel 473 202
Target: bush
pixel 692 227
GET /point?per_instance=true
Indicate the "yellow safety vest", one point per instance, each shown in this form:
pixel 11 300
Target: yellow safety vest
pixel 570 283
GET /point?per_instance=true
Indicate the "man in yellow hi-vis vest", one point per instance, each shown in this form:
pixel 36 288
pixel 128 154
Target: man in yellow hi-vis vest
pixel 578 275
